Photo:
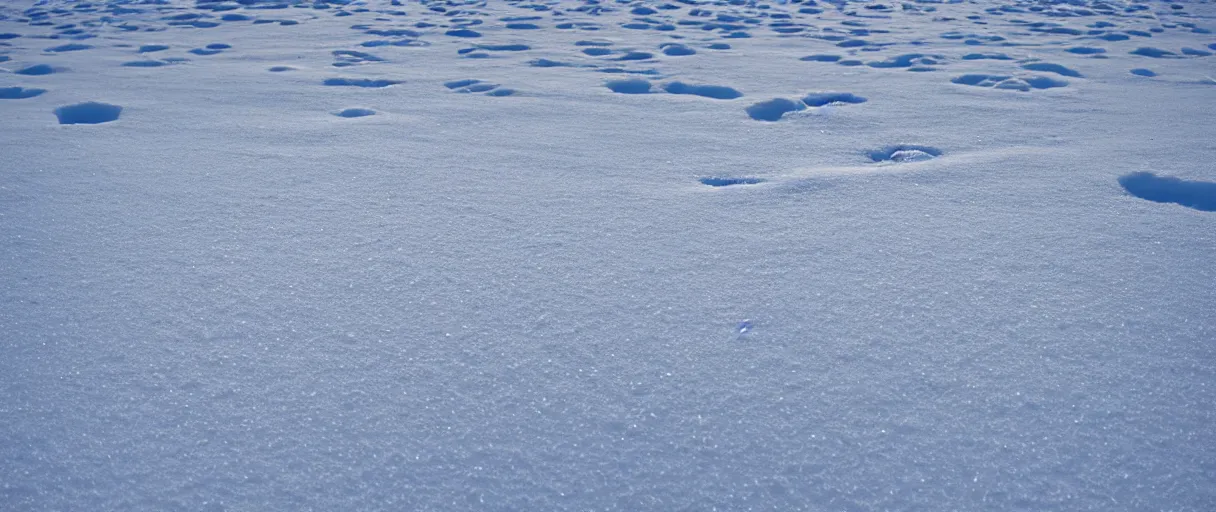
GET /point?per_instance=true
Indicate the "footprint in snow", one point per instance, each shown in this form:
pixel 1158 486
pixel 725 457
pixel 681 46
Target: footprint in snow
pixel 629 86
pixel 88 113
pixel 346 58
pixel 19 93
pixel 820 99
pixel 1200 195
pixel 359 82
pixel 471 85
pixel 718 182
pixel 38 70
pixel 355 112
pixel 904 153
pixel 1048 67
pixel 70 47
pixel 775 109
pixel 211 49
pixel 717 92
pixel 1007 82
pixel 144 64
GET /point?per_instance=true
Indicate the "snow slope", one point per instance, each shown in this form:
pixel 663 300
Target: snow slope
pixel 579 255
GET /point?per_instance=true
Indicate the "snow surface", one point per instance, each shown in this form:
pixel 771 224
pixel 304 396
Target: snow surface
pixel 579 255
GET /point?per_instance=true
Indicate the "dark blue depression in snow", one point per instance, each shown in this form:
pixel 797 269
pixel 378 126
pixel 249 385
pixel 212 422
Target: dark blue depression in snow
pixel 1200 195
pixel 88 113
pixel 727 182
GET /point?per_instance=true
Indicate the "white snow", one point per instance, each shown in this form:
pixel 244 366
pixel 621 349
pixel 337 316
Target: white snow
pixel 345 256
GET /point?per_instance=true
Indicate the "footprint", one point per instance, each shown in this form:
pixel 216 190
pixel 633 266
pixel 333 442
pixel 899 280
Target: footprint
pixel 504 47
pixel 280 69
pixel 547 63
pixel 819 99
pixel 88 113
pixel 456 84
pixel 463 32
pixel 19 93
pixel 1086 50
pixel 399 32
pixel 150 48
pixel 481 87
pixel 1200 195
pixel 359 82
pixel 347 58
pixel 1048 67
pixel 478 87
pixel 1009 82
pixel 471 85
pixel 635 56
pixel 986 56
pixel 1065 31
pixel 904 153
pixel 70 47
pixel 821 58
pixel 355 112
pixel 728 182
pixel 623 71
pixel 1143 72
pixel 38 70
pixel 144 64
pixel 773 110
pixel 907 60
pixel 410 43
pixel 676 50
pixel 1156 53
pixel 716 92
pixel 630 86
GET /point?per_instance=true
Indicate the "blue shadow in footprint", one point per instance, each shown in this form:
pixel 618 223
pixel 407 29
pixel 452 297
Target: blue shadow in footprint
pixel 1200 195
pixel 729 182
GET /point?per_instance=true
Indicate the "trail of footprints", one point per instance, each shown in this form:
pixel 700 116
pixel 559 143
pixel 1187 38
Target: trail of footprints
pixel 990 42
